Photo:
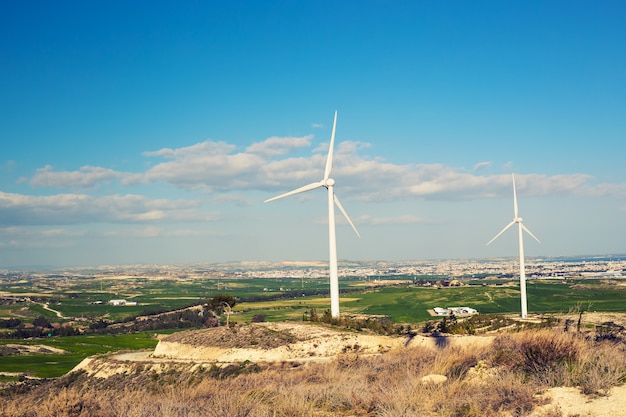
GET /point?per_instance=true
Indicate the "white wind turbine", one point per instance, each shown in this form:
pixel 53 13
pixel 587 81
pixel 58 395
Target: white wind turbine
pixel 522 273
pixel 329 184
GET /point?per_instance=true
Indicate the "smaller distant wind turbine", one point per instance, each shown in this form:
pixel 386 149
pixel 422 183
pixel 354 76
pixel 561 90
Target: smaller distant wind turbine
pixel 329 184
pixel 522 273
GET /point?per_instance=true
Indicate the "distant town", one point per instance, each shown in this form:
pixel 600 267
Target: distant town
pixel 613 266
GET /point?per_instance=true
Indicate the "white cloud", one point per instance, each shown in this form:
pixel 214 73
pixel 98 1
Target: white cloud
pixel 86 176
pixel 204 148
pixel 207 165
pixel 218 168
pixel 481 165
pixel 17 209
pixel 61 233
pixel 275 146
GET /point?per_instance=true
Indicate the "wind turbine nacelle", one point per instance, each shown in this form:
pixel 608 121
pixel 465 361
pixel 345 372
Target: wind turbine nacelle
pixel 329 182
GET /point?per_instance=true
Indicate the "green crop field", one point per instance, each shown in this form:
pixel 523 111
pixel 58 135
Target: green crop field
pixel 273 298
pixel 77 348
pixel 409 304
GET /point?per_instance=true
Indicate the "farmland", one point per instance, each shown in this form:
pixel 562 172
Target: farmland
pixel 79 305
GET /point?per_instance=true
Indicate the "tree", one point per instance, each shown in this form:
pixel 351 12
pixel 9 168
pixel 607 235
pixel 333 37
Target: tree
pixel 221 302
pixel 41 321
pixel 258 318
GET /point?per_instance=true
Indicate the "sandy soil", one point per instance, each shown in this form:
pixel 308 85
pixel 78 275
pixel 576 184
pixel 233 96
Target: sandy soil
pixel 571 402
pixel 15 349
pixel 279 342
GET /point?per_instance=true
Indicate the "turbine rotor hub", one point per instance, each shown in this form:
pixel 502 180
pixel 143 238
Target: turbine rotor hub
pixel 329 182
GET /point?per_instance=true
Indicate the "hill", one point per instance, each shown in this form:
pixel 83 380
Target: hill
pixel 295 369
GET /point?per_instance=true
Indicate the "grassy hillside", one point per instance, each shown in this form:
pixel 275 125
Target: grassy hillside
pixel 501 380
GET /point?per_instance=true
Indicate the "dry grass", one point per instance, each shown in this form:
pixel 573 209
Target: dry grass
pixel 500 380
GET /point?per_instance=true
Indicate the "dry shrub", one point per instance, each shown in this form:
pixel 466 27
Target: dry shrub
pixel 545 350
pixel 517 367
pixel 603 366
pixel 460 365
pixel 500 396
pixel 555 358
pixel 546 356
pixel 68 403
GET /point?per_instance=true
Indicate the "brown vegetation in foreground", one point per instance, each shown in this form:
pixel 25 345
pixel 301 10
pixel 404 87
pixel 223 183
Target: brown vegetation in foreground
pixel 501 380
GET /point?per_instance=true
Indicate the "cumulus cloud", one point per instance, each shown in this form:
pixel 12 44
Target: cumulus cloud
pixel 275 146
pixel 204 148
pixel 272 166
pixel 268 166
pixel 63 209
pixel 86 176
pixel 208 165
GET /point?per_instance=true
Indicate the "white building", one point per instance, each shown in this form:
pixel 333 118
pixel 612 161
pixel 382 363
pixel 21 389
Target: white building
pixel 122 303
pixel 457 311
pixel 462 311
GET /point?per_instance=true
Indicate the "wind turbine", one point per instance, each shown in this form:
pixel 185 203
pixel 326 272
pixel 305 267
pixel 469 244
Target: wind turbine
pixel 329 184
pixel 522 273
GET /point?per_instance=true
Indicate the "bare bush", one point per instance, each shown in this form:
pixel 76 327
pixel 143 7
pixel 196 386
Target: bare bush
pixel 501 380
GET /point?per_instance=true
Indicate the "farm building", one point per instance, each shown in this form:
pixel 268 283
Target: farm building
pixel 122 303
pixel 440 311
pixel 462 311
pixel 457 311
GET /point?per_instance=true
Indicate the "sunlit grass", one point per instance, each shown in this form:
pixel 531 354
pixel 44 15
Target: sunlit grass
pixel 77 348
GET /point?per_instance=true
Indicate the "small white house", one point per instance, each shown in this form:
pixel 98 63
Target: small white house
pixel 440 311
pixel 122 303
pixel 462 311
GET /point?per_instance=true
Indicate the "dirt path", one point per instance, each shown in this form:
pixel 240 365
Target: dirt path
pixel 46 306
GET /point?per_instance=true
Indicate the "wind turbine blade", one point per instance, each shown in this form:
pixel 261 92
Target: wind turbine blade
pixel 329 158
pixel 530 233
pixel 346 215
pixel 515 211
pixel 309 187
pixel 501 231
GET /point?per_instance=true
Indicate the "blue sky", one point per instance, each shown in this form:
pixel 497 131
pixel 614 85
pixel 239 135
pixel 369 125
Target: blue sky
pixel 151 132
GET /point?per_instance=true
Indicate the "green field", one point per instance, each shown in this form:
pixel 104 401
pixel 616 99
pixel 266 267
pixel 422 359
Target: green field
pixel 406 303
pixel 275 299
pixel 77 348
pixel 409 304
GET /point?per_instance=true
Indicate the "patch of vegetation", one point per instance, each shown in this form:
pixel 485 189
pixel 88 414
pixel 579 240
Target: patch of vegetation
pixel 236 336
pixel 76 348
pixel 491 381
pixel 381 324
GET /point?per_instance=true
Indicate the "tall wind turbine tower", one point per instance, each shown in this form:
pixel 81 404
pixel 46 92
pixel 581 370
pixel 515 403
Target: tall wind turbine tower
pixel 522 273
pixel 329 184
